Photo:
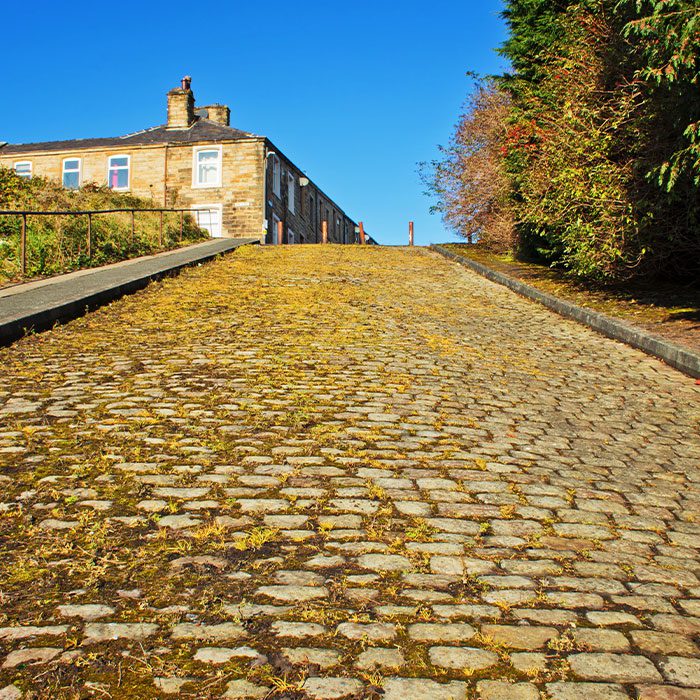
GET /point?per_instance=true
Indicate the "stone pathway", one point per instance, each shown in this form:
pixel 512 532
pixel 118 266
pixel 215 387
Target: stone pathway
pixel 343 472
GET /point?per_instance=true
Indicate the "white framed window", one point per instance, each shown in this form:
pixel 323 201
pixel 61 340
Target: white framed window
pixel 208 216
pixel 276 176
pixel 118 172
pixel 71 173
pixel 206 168
pixel 23 168
pixel 290 236
pixel 291 191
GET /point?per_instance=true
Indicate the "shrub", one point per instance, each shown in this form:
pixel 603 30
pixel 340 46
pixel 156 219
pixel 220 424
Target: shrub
pixel 58 244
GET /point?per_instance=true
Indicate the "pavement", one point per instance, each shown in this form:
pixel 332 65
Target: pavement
pixel 36 306
pixel 330 472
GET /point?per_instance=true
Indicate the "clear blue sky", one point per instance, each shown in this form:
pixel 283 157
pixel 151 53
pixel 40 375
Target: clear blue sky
pixel 356 93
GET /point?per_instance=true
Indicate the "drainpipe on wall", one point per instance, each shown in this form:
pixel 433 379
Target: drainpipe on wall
pixel 264 228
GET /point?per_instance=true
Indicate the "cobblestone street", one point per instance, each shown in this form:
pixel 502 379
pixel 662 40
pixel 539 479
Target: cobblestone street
pixel 330 472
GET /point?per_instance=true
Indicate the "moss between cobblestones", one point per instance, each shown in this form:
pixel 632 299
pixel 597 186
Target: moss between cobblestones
pixel 266 356
pixel 665 309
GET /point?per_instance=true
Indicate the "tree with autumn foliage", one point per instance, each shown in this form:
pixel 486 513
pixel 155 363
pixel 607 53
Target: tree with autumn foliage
pixel 470 181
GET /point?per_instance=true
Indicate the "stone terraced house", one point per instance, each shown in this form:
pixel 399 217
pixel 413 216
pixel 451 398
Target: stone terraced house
pixel 238 184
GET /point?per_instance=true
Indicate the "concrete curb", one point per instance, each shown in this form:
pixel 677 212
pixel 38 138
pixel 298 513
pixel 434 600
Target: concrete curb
pixel 41 305
pixel 681 358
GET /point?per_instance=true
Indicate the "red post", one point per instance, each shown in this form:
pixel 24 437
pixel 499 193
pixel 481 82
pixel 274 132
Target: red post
pixel 410 233
pixel 280 233
pixel 362 233
pixel 324 232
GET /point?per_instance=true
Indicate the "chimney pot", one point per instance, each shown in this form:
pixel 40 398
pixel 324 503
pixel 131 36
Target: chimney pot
pixel 186 82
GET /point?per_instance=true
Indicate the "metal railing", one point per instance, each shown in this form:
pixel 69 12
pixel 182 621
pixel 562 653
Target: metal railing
pixel 24 214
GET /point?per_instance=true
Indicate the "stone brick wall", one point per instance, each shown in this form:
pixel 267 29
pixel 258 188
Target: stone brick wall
pixel 240 193
pixel 146 172
pixel 164 174
pixel 311 207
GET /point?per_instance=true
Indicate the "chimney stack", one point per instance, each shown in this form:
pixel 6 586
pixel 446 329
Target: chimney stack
pixel 181 105
pixel 220 114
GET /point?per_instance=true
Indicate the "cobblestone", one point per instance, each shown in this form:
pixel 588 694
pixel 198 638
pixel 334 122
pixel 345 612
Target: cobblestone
pixel 462 658
pixel 244 690
pixel 354 462
pixel 660 692
pixel 86 612
pixel 590 691
pixel 432 632
pixel 33 655
pixel 226 630
pixel 325 658
pixel 105 631
pixel 422 689
pixel 375 631
pixel 682 671
pixel 665 643
pixel 502 690
pixel 520 637
pixel 380 658
pixel 616 667
pixel 331 688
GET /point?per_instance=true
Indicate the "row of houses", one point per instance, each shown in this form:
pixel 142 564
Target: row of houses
pixel 238 184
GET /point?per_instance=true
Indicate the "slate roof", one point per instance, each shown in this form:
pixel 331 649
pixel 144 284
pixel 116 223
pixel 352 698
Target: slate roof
pixel 201 130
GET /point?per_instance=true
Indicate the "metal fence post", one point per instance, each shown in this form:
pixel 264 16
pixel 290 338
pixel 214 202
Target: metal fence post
pixel 182 223
pixel 324 231
pixel 410 233
pixel 160 230
pixel 23 246
pixel 133 226
pixel 89 236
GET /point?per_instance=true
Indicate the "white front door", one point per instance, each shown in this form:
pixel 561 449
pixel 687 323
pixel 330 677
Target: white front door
pixel 208 216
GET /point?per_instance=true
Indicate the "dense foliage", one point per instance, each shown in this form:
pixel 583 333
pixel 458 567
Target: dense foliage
pixel 59 243
pixel 600 143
